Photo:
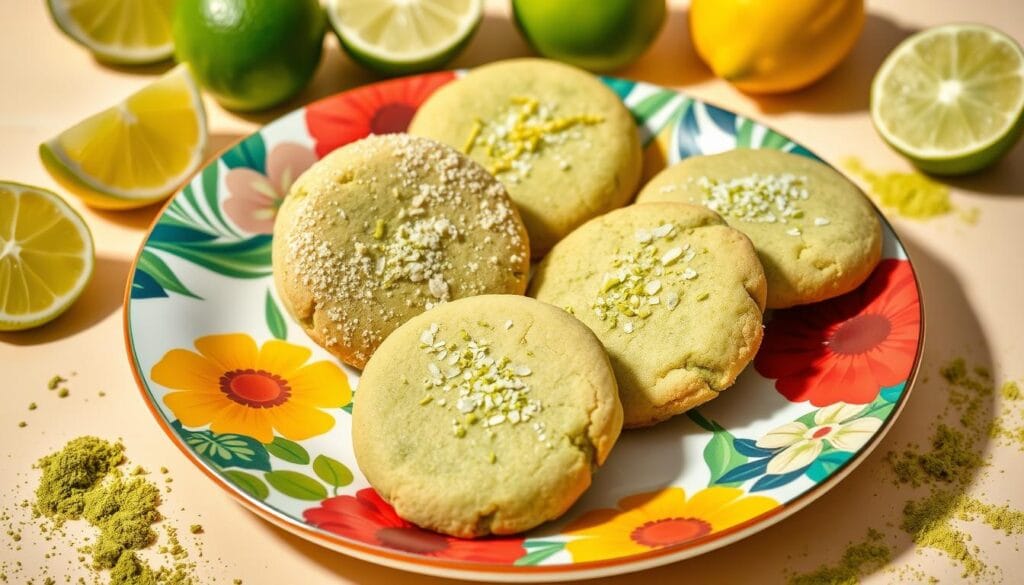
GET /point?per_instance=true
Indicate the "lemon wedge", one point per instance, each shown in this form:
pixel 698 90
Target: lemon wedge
pixel 136 152
pixel 46 256
pixel 118 31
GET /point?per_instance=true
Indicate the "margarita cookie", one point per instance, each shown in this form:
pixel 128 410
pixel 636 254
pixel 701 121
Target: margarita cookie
pixel 485 415
pixel 562 143
pixel 385 228
pixel 675 295
pixel 816 233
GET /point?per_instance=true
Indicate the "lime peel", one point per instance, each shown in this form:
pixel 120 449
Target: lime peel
pixel 404 36
pixel 951 98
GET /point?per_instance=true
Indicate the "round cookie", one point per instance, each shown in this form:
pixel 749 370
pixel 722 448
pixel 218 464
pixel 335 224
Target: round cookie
pixel 486 415
pixel 561 141
pixel 384 228
pixel 675 295
pixel 817 235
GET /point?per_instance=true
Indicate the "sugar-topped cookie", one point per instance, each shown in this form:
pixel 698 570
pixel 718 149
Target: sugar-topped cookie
pixel 386 228
pixel 486 415
pixel 561 141
pixel 817 235
pixel 675 295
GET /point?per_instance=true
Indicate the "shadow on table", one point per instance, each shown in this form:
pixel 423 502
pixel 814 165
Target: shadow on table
pixel 671 60
pixel 101 297
pixel 847 88
pixel 1006 177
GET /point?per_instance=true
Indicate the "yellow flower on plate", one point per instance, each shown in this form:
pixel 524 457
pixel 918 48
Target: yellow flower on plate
pixel 235 387
pixel 654 520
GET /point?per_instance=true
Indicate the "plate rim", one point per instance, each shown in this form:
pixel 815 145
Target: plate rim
pixel 440 567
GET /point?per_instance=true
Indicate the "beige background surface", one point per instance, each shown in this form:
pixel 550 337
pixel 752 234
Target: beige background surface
pixel 972 276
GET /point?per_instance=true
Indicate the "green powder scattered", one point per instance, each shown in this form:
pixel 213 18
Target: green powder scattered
pixel 1010 391
pixel 83 480
pixel 952 458
pixel 858 560
pixel 951 464
pixel 124 511
pixel 71 472
pixel 22 424
pixel 911 195
pixel 195 529
pixel 928 523
pixel 32 406
pixel 54 382
pixel 129 570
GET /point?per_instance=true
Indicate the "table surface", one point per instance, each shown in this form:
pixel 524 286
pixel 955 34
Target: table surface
pixel 971 276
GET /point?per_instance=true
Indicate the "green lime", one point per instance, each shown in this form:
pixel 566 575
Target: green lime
pixel 951 98
pixel 600 35
pixel 397 37
pixel 250 54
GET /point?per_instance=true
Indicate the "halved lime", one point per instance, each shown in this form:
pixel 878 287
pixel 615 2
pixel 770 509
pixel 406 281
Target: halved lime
pixel 404 36
pixel 136 152
pixel 118 31
pixel 46 256
pixel 951 98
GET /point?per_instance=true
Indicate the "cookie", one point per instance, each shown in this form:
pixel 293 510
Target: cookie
pixel 675 295
pixel 817 235
pixel 562 143
pixel 485 415
pixel 385 228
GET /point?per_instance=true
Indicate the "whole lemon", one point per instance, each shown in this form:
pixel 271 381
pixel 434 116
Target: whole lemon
pixel 600 35
pixel 774 46
pixel 250 54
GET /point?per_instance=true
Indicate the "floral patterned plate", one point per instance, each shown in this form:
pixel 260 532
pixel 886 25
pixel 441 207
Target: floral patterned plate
pixel 265 412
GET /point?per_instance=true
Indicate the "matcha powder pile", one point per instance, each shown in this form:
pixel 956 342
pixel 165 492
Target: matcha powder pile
pixel 911 195
pixel 83 481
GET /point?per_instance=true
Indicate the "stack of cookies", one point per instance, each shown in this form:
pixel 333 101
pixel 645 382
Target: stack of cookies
pixel 483 411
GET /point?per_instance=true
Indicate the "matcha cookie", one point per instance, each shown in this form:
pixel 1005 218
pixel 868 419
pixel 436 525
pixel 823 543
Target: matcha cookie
pixel 386 228
pixel 485 415
pixel 562 143
pixel 817 235
pixel 675 295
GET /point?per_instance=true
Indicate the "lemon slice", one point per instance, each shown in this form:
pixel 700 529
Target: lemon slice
pixel 136 152
pixel 951 98
pixel 118 31
pixel 404 36
pixel 46 256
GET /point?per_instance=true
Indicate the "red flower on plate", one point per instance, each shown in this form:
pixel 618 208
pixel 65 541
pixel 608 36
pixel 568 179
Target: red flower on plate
pixel 848 348
pixel 366 517
pixel 381 108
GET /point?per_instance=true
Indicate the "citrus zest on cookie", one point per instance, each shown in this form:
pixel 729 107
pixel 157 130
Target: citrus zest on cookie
pixel 521 131
pixel 759 198
pixel 486 390
pixel 641 278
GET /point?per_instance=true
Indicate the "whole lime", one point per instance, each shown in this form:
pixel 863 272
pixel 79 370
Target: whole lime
pixel 250 54
pixel 599 35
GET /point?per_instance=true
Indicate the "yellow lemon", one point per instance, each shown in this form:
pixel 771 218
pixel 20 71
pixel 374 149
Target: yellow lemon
pixel 774 46
pixel 46 256
pixel 136 152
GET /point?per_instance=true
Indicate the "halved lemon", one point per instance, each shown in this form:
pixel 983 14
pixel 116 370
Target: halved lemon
pixel 397 37
pixel 46 256
pixel 118 31
pixel 951 98
pixel 136 152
